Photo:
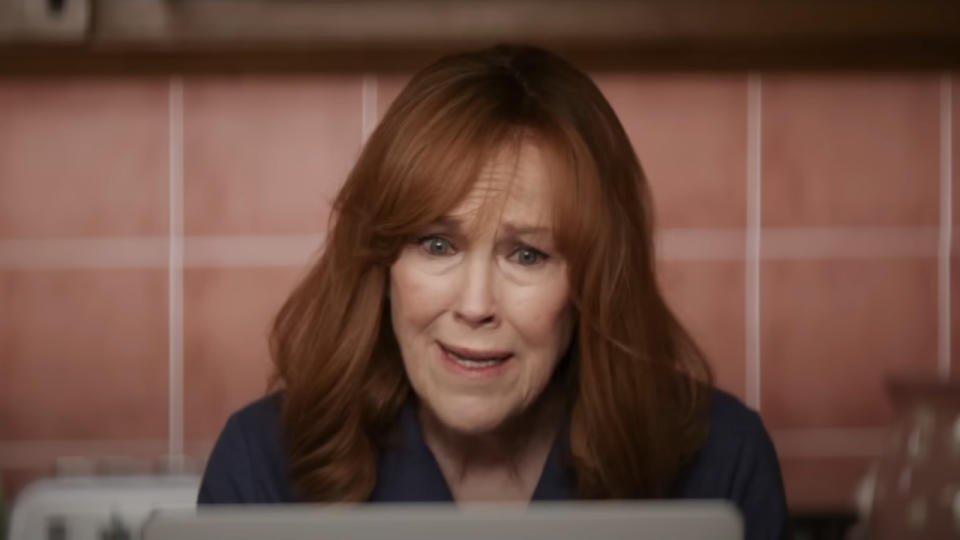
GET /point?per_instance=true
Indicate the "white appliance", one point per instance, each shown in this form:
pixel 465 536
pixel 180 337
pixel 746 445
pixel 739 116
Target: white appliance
pixel 97 507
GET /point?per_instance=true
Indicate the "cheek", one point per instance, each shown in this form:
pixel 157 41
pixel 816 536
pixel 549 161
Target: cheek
pixel 407 290
pixel 405 312
pixel 416 300
pixel 543 318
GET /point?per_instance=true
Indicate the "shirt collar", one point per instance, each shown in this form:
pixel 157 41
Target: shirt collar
pixel 408 471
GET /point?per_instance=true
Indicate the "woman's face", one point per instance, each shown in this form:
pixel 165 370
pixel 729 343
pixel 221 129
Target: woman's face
pixel 480 300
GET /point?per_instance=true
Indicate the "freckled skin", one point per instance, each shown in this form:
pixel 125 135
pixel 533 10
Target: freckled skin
pixel 486 278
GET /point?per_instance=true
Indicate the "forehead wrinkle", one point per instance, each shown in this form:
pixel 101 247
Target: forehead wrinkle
pixel 520 229
pixel 510 188
pixel 484 204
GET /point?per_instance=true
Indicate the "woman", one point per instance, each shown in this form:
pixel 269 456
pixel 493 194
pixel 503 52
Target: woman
pixel 485 322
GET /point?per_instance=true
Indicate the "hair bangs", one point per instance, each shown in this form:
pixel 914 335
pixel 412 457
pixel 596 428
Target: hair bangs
pixel 423 175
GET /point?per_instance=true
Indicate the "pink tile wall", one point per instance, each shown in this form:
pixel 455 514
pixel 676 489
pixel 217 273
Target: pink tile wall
pixel 851 151
pixel 99 142
pixel 84 337
pixel 708 298
pixel 690 134
pixel 262 157
pixel 227 318
pixel 266 156
pixel 828 323
pixel 82 347
pixel 848 153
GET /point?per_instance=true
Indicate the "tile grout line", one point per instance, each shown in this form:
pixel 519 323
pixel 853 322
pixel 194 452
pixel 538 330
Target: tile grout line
pixel 752 256
pixel 368 104
pixel 89 452
pixel 175 272
pixel 946 224
pixel 683 244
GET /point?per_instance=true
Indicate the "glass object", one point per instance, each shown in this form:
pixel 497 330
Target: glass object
pixel 917 490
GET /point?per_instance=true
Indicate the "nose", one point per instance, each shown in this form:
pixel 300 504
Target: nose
pixel 475 304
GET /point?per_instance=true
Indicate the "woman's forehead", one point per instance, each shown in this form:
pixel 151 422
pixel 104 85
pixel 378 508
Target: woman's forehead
pixel 514 188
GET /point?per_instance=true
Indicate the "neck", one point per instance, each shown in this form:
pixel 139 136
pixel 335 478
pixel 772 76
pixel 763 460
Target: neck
pixel 500 465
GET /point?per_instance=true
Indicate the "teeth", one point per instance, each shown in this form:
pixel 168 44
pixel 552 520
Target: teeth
pixel 472 362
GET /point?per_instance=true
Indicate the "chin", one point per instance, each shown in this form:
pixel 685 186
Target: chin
pixel 473 417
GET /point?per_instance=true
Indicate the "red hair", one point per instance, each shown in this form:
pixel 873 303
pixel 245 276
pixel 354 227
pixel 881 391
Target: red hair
pixel 640 387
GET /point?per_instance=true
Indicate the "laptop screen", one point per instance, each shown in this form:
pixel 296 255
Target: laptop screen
pixel 633 520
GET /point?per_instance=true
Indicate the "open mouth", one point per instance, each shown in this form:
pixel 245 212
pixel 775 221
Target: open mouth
pixel 476 360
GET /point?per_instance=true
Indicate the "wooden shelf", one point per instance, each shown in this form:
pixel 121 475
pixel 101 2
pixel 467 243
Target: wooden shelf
pixel 318 35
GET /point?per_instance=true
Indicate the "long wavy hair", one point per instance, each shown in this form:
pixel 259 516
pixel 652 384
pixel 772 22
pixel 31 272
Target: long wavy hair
pixel 640 392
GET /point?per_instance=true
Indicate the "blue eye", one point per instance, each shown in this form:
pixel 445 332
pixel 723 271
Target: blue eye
pixel 436 245
pixel 528 256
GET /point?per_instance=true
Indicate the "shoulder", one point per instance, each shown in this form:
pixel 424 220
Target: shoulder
pixel 737 450
pixel 248 463
pixel 258 417
pixel 738 462
pixel 731 421
pixel 733 428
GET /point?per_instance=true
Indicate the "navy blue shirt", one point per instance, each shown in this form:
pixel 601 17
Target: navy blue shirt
pixel 737 462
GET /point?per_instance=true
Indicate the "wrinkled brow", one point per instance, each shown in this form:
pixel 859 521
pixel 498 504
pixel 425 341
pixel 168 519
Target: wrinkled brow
pixel 508 228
